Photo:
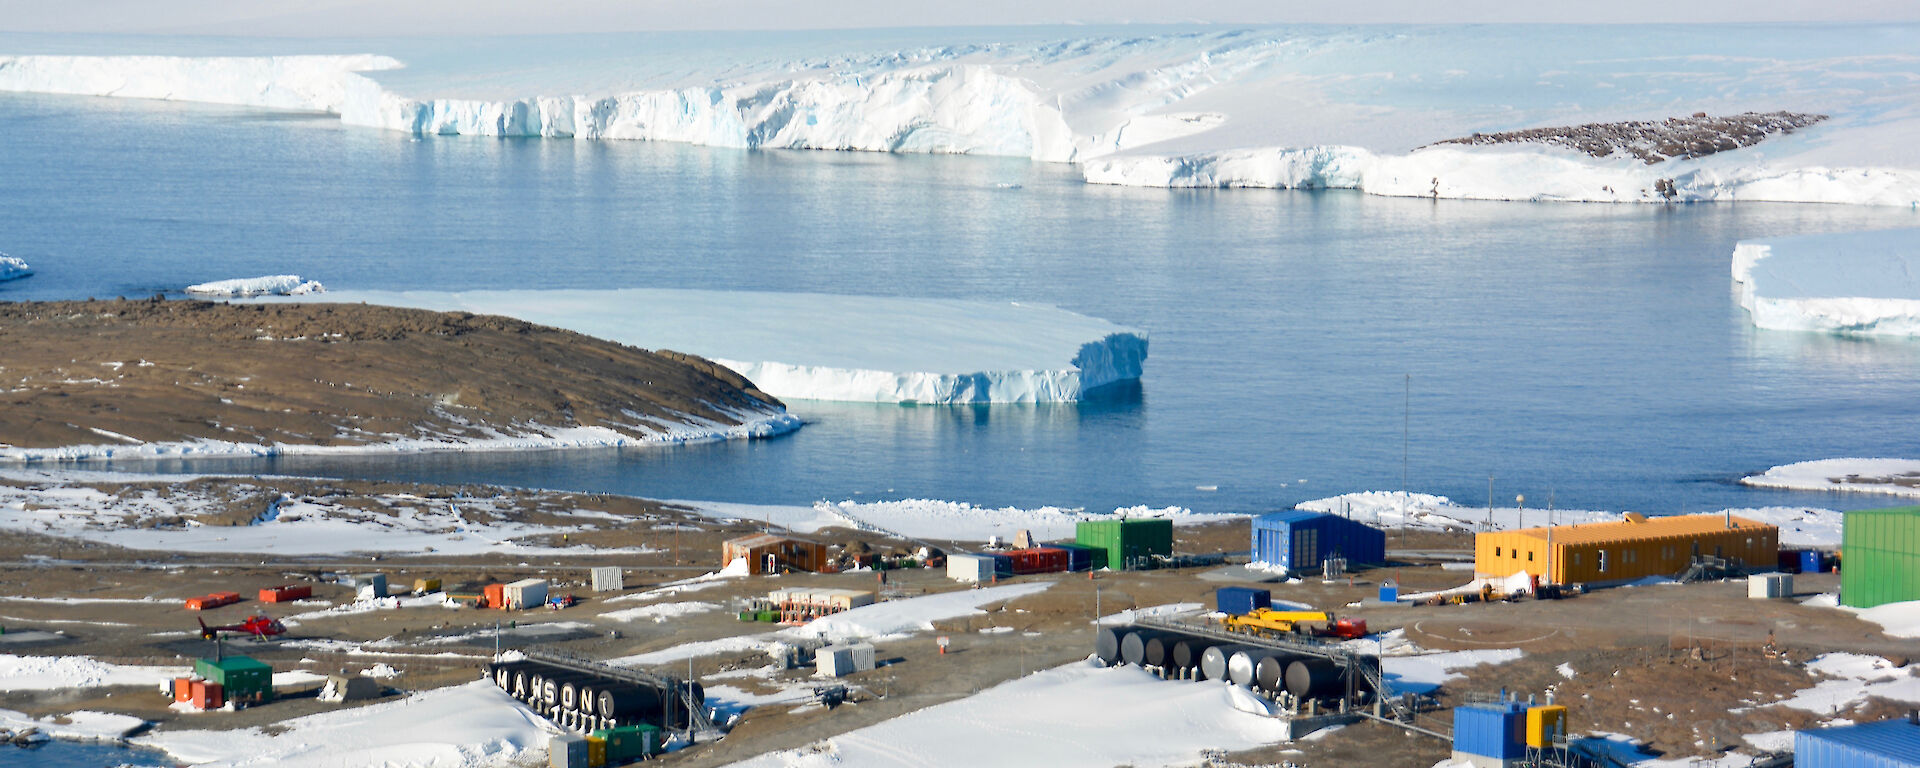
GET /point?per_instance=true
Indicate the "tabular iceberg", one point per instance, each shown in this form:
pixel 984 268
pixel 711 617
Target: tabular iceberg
pixel 1856 283
pixel 831 347
pixel 1280 107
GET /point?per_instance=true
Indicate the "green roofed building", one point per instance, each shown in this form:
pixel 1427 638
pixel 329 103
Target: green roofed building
pixel 1880 557
pixel 1129 543
pixel 241 678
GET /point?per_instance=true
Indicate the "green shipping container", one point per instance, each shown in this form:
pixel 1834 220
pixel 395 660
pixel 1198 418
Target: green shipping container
pixel 243 678
pixel 630 742
pixel 769 616
pixel 749 616
pixel 1129 544
pixel 1880 557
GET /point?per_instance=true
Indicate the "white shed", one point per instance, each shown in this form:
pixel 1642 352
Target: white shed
pixel 526 593
pixel 373 586
pixel 970 568
pixel 834 661
pixel 1767 586
pixel 607 579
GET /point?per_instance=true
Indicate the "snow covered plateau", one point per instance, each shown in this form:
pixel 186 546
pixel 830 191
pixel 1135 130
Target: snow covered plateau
pixel 850 348
pixel 1853 283
pixel 1282 107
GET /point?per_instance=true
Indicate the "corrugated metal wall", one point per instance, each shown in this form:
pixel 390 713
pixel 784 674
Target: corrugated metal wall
pixel 1490 730
pixel 1886 744
pixel 1301 540
pixel 1623 558
pixel 1880 557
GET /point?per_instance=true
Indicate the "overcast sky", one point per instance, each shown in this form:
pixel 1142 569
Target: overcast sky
pixel 466 17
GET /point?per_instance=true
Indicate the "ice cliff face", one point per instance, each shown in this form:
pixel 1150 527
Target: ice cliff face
pixel 1290 107
pixel 850 348
pixel 1856 283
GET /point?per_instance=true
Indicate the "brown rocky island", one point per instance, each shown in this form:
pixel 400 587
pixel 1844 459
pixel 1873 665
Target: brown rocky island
pixel 95 378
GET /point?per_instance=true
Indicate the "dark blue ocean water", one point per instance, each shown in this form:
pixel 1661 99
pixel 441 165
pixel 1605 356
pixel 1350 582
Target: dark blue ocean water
pixel 67 754
pixel 1594 352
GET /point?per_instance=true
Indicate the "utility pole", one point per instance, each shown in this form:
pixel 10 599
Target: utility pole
pixel 1406 441
pixel 1489 502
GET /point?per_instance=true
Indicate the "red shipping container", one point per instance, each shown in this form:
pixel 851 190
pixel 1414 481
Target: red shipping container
pixel 182 689
pixel 1037 560
pixel 208 695
pixel 496 595
pixel 286 593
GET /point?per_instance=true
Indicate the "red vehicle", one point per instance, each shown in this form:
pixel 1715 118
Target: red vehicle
pixel 1346 629
pixel 261 627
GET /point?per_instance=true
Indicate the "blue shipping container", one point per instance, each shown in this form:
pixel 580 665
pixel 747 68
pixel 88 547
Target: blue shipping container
pixel 1389 591
pixel 1079 558
pixel 1885 744
pixel 1241 600
pixel 1812 561
pixel 1496 730
pixel 1298 540
pixel 1002 565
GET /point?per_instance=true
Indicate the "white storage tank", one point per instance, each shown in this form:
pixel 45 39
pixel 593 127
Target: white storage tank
pixel 1769 586
pixel 607 579
pixel 970 568
pixel 526 593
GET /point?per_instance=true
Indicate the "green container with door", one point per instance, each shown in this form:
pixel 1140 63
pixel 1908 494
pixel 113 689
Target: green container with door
pixel 1128 544
pixel 630 742
pixel 242 677
pixel 1880 557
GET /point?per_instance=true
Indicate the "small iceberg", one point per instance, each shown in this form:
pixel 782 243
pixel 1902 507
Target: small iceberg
pixel 12 268
pixel 275 285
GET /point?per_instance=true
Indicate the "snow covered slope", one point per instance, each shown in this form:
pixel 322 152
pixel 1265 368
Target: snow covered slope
pixel 1063 716
pixel 831 347
pixel 1862 283
pixel 1300 106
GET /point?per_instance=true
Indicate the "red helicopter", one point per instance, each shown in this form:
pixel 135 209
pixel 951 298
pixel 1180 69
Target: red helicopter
pixel 261 627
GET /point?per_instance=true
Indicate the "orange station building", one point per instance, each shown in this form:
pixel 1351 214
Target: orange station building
pixel 1633 548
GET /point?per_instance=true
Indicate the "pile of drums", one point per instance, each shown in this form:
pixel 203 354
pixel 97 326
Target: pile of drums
pixel 1191 657
pixel 584 702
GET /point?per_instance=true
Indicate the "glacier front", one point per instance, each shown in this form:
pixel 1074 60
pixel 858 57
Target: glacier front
pixel 1853 283
pixel 814 346
pixel 1361 107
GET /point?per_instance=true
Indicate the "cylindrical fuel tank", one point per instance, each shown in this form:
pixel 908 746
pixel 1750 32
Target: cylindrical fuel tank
pixel 1106 644
pixel 1313 677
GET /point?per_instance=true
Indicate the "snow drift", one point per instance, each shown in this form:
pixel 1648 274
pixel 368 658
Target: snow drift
pixel 1856 283
pixel 832 347
pixel 1283 107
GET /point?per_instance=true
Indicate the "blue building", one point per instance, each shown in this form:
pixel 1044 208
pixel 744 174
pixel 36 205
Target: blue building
pixel 1885 744
pixel 1298 540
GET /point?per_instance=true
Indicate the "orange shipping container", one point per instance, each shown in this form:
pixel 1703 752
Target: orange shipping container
pixel 286 593
pixel 208 695
pixel 182 689
pixel 496 595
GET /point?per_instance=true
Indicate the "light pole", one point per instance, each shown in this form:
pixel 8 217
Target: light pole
pixel 1520 511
